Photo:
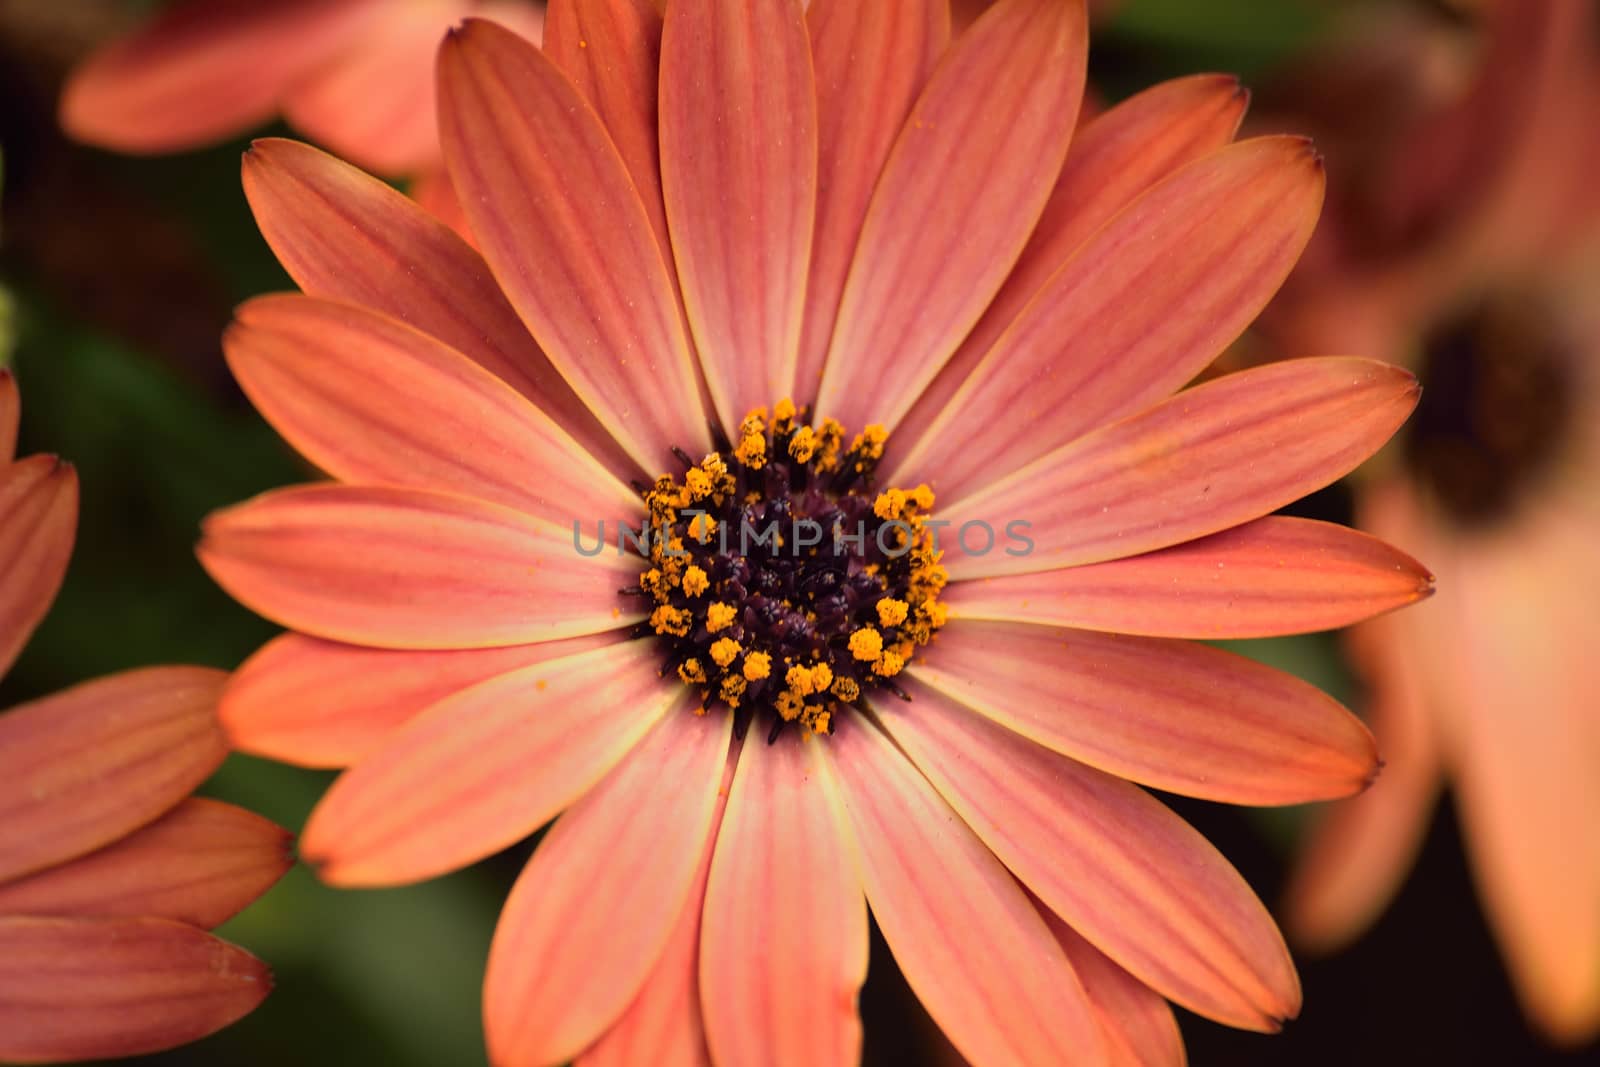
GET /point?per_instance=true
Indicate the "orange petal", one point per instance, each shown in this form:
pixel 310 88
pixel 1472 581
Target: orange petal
pixel 10 413
pixel 1210 458
pixel 871 63
pixel 956 202
pixel 739 178
pixel 85 766
pixel 1139 1026
pixel 403 568
pixel 346 236
pixel 369 399
pixel 317 703
pixel 783 942
pixel 488 766
pixel 1266 578
pixel 596 906
pixel 1113 159
pixel 1131 877
pixel 561 222
pixel 89 989
pixel 1176 715
pixel 1140 309
pixel 971 944
pixel 204 71
pixel 38 521
pixel 199 864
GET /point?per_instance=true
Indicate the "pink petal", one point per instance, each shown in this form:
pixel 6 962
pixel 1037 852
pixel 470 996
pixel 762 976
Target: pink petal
pixel 971 944
pixel 1210 458
pixel 10 413
pixel 1269 577
pixel 346 236
pixel 201 863
pixel 317 703
pixel 1109 859
pixel 1176 715
pixel 369 399
pixel 871 62
pixel 783 942
pixel 1140 309
pixel 488 766
pixel 957 200
pixel 83 767
pixel 1113 159
pixel 561 223
pixel 1139 1026
pixel 204 71
pixel 403 568
pixel 38 521
pixel 738 133
pixel 597 905
pixel 88 989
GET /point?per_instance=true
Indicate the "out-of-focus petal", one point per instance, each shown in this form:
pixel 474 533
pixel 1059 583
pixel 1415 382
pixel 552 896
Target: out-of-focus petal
pixel 319 703
pixel 200 863
pixel 1134 879
pixel 955 204
pixel 485 768
pixel 371 400
pixel 90 989
pixel 1138 1023
pixel 561 223
pixel 205 70
pixel 738 131
pixel 783 940
pixel 1266 578
pixel 1114 158
pixel 1210 458
pixel 596 906
pixel 10 413
pixel 972 946
pixel 346 236
pixel 38 522
pixel 1176 715
pixel 1137 311
pixel 871 62
pixel 85 766
pixel 404 568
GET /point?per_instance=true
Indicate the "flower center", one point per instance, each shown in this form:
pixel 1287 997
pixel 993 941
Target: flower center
pixel 785 586
pixel 1495 410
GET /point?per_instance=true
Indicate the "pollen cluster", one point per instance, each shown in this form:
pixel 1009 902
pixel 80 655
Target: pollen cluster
pixel 785 586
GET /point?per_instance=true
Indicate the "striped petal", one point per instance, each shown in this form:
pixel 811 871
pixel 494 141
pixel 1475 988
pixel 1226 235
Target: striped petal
pixel 89 989
pixel 10 414
pixel 369 399
pixel 595 908
pixel 203 71
pixel 346 236
pixel 1135 880
pixel 1266 578
pixel 1210 458
pixel 318 703
pixel 402 568
pixel 972 946
pixel 871 62
pixel 485 768
pixel 38 521
pixel 83 767
pixel 783 941
pixel 738 130
pixel 200 864
pixel 1140 309
pixel 1179 716
pixel 957 200
pixel 1114 158
pixel 1139 1026
pixel 562 225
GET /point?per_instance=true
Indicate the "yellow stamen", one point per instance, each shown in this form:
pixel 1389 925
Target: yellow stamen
pixel 670 620
pixel 889 665
pixel 866 644
pixel 695 581
pixel 891 612
pixel 757 665
pixel 692 672
pixel 725 651
pixel 720 616
pixel 803 445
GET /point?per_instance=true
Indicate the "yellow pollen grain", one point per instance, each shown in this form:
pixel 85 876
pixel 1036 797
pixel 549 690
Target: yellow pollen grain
pixel 889 665
pixel 783 411
pixel 868 444
pixel 866 644
pixel 757 665
pixel 698 482
pixel 691 672
pixel 670 620
pixel 695 581
pixel 832 437
pixel 891 504
pixel 845 689
pixel 733 688
pixel 892 612
pixel 922 496
pixel 719 617
pixel 702 527
pixel 725 651
pixel 788 706
pixel 803 445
